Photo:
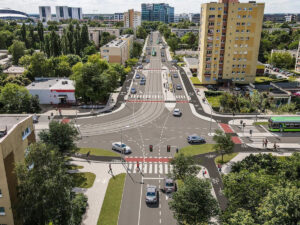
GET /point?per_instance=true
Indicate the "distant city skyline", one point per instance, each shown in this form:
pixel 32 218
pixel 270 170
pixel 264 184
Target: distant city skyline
pixel 109 6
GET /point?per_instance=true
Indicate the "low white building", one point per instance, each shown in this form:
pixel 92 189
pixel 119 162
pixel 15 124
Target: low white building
pixel 53 91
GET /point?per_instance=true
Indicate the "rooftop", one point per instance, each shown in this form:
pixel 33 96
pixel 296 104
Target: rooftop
pixel 8 121
pixel 51 84
pixel 14 69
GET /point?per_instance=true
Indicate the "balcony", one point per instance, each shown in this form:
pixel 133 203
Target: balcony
pixel 211 26
pixel 209 47
pixel 207 74
pixel 211 19
pixel 208 55
pixel 209 40
pixel 210 34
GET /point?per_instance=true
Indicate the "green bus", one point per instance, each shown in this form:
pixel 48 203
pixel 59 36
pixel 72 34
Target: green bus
pixel 153 52
pixel 284 123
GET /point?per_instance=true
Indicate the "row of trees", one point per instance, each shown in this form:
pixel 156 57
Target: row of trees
pixel 272 187
pixel 52 201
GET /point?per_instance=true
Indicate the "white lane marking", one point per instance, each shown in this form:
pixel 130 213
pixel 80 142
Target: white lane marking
pixel 155 168
pixel 150 168
pixel 130 167
pixel 139 218
pixel 160 212
pixel 171 168
pixel 167 197
pixel 145 168
pixel 166 168
pixel 134 168
pixel 160 168
pixel 159 220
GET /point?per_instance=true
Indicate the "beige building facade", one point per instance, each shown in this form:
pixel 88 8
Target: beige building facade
pixel 118 50
pixel 16 134
pixel 132 19
pixel 229 40
pixel 297 65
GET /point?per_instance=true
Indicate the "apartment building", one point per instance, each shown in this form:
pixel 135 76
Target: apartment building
pixel 118 17
pixel 181 32
pixel 132 19
pixel 45 13
pixel 96 32
pixel 65 12
pixel 297 65
pixel 181 17
pixel 194 18
pixel 229 41
pixel 16 134
pixel 118 50
pixel 157 12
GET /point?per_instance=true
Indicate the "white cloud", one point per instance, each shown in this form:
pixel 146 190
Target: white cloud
pixel 111 6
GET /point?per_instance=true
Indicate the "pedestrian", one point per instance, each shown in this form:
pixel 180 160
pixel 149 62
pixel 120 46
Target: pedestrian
pixel 263 143
pixel 110 169
pixel 266 143
pixel 137 166
pixel 88 154
pixel 275 146
pixel 203 173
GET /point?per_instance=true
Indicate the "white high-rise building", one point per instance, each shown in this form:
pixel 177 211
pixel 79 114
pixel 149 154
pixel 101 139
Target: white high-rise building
pixel 65 12
pixel 132 19
pixel 45 13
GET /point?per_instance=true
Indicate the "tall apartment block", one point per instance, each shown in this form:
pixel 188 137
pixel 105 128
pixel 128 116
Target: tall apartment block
pixel 158 12
pixel 297 66
pixel 118 16
pixel 45 13
pixel 229 40
pixel 16 134
pixel 132 19
pixel 65 12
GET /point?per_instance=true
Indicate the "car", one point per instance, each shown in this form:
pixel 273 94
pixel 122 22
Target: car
pixel 140 67
pixel 212 88
pixel 137 76
pixel 162 55
pixel 237 89
pixel 195 139
pixel 147 60
pixel 149 53
pixel 169 185
pixel 178 87
pixel 142 82
pixel 163 60
pixel 121 147
pixel 175 75
pixel 163 47
pixel 151 194
pixel 177 112
pixel 133 91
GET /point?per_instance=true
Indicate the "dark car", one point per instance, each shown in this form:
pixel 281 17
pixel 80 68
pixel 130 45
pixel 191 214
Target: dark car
pixel 137 76
pixel 195 139
pixel 212 88
pixel 178 87
pixel 142 82
pixel 133 91
pixel 175 75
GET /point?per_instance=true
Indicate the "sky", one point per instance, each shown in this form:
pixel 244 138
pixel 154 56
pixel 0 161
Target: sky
pixel 112 6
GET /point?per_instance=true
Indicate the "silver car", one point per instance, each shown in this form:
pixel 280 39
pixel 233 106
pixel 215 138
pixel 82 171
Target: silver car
pixel 169 185
pixel 151 195
pixel 121 147
pixel 177 112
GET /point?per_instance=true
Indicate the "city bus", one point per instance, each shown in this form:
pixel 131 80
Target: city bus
pixel 153 52
pixel 284 123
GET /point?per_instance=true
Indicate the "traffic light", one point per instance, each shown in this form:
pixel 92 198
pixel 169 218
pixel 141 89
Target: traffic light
pixel 168 148
pixel 244 124
pixel 151 148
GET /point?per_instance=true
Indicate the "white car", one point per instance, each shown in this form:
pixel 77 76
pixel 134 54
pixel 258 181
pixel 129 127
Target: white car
pixel 177 112
pixel 121 147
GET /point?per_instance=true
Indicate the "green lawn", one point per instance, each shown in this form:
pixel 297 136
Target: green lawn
pixel 112 201
pixel 226 158
pixel 98 152
pixel 74 167
pixel 260 123
pixel 214 101
pixel 191 150
pixel 262 79
pixel 83 180
pixel 195 80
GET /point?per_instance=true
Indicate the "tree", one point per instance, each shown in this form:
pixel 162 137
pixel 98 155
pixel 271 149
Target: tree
pixel 131 62
pixel 16 99
pixel 70 38
pixel 55 47
pixel 128 31
pixel 60 135
pixel 40 29
pixel 224 144
pixel 184 166
pixel 23 33
pixel 17 49
pixel 241 217
pixel 193 202
pixel 45 189
pixel 136 50
pixel 39 66
pixel 85 41
pixel 141 33
pixel 105 38
pixel 173 43
pixel 63 69
pixel 78 44
pixel 282 60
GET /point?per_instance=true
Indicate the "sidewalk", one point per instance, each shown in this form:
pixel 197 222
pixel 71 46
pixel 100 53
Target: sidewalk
pixel 97 192
pixel 169 57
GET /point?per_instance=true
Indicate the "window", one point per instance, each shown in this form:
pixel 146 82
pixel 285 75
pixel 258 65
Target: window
pixel 105 50
pixel 212 9
pixel 236 38
pixel 2 211
pixel 235 52
pixel 249 16
pixel 239 16
pixel 247 38
pixel 0 193
pixel 250 9
pixel 237 79
pixel 242 38
pixel 244 16
pixel 233 72
pixel 245 52
pixel 234 59
pixel 245 9
pixel 237 31
pixel 246 46
pixel 216 52
pixel 217 38
pixel 233 66
pixel 243 24
pixel 243 72
pixel 217 45
pixel 242 31
pixel 207 66
pixel 239 66
pixel 218 23
pixel 238 24
pixel 232 79
pixel 242 79
pixel 218 31
pixel 244 66
pixel 248 31
pixel 211 16
pixel 219 8
pixel 26 133
pixel 249 24
pixel 208 58
pixel 219 16
pixel 239 9
pixel 235 45
pixel 208 52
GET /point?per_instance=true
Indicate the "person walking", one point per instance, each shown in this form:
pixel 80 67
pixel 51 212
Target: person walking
pixel 203 173
pixel 88 154
pixel 266 143
pixel 263 143
pixel 275 147
pixel 110 169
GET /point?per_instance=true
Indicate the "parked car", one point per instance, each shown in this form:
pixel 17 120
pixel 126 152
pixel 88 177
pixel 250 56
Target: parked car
pixel 133 91
pixel 151 194
pixel 237 88
pixel 177 112
pixel 121 147
pixel 142 82
pixel 175 75
pixel 137 76
pixel 147 60
pixel 212 88
pixel 178 87
pixel 169 185
pixel 195 139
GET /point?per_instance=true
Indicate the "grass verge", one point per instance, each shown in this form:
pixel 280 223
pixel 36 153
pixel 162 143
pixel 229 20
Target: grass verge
pixel 226 158
pixel 214 101
pixel 260 123
pixel 74 167
pixel 83 180
pixel 98 152
pixel 112 201
pixel 191 150
pixel 195 80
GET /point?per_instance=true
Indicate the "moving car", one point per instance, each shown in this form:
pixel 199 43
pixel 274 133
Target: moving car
pixel 178 87
pixel 195 139
pixel 169 185
pixel 148 60
pixel 137 76
pixel 121 147
pixel 133 91
pixel 177 112
pixel 143 82
pixel 151 194
pixel 175 75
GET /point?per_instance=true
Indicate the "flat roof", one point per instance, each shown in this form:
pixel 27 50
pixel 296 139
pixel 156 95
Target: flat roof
pixel 14 69
pixel 51 83
pixel 285 118
pixel 8 121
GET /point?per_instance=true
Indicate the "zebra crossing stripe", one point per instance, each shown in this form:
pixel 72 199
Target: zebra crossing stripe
pixel 155 168
pixel 150 168
pixel 166 168
pixel 160 168
pixel 145 167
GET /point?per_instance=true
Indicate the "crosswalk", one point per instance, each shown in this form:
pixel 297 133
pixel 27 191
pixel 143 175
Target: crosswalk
pixel 153 96
pixel 149 168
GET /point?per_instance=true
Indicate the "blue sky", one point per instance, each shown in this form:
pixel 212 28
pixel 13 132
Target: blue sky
pixel 111 6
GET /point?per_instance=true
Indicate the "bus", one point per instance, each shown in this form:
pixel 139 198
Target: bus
pixel 284 123
pixel 153 52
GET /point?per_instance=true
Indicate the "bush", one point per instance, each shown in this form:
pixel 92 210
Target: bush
pixel 213 93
